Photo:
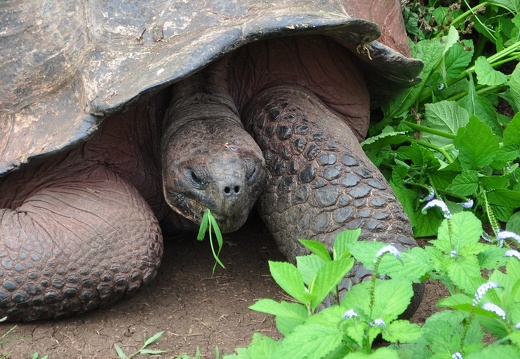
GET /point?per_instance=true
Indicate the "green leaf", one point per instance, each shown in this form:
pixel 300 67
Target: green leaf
pixel 329 275
pixel 514 88
pixel 486 75
pixel 343 240
pixel 284 309
pixel 481 107
pixel 317 248
pixel 496 351
pixel 465 230
pixel 365 252
pixel 203 225
pixel 504 197
pixel 153 338
pixel 457 59
pixel 465 273
pixel 261 347
pixel 430 52
pixel 310 339
pixel 511 132
pixel 457 301
pixel 152 351
pixel 445 116
pixel 464 184
pixel 413 266
pixel 289 279
pixel 120 353
pixel 309 266
pixel 402 331
pixel 381 353
pixel 477 144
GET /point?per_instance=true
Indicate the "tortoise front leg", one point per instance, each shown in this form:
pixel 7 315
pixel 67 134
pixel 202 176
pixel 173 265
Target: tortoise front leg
pixel 84 241
pixel 321 182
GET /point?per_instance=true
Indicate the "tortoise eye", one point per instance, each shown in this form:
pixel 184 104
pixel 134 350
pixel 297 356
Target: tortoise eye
pixel 195 178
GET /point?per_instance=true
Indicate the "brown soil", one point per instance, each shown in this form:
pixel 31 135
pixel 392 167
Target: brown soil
pixel 193 307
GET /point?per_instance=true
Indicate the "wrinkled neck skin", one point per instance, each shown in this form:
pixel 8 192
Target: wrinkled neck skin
pixel 209 161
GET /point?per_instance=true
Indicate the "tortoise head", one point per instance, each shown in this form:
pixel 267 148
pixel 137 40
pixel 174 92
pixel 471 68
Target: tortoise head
pixel 214 164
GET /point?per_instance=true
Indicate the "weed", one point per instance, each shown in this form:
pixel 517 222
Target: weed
pixel 143 350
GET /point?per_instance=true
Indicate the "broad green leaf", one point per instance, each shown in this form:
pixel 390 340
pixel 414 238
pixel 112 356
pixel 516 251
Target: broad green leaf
pixel 443 331
pixel 504 197
pixel 309 266
pixel 486 75
pixel 391 298
pixel 465 229
pixel 457 59
pixel 464 184
pixel 477 144
pixel 457 301
pixel 512 131
pixel 317 248
pixel 513 224
pixel 288 315
pixel 261 347
pixel 445 116
pixel 285 309
pixel 481 107
pixel 514 88
pixel 496 351
pixel 511 5
pixel 402 331
pixel 357 331
pixel 329 275
pixel 343 240
pixel 381 353
pixel 413 266
pixel 309 340
pixel 465 273
pixel 365 252
pixel 289 279
pixel 430 52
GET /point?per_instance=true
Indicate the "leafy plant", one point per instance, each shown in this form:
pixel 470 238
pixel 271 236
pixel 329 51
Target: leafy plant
pixel 444 137
pixel 143 350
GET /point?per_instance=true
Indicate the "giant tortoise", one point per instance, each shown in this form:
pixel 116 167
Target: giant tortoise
pixel 118 115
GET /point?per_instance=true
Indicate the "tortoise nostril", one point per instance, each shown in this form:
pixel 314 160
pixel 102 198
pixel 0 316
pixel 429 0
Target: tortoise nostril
pixel 228 190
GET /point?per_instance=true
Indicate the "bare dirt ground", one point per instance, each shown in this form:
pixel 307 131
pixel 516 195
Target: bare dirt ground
pixel 193 307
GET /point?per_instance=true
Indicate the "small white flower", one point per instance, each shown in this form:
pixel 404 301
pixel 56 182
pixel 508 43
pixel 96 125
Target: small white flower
pixel 512 253
pixel 481 291
pixel 453 253
pixel 517 326
pixel 440 86
pixel 456 355
pixel 468 204
pixel 508 234
pixel 389 249
pixel 437 203
pixel 349 314
pixel 490 307
pixel 379 322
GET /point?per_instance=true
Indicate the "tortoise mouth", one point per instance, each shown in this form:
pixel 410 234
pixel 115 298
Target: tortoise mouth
pixel 194 209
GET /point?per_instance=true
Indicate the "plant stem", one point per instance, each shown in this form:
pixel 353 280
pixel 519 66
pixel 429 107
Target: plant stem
pixel 429 130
